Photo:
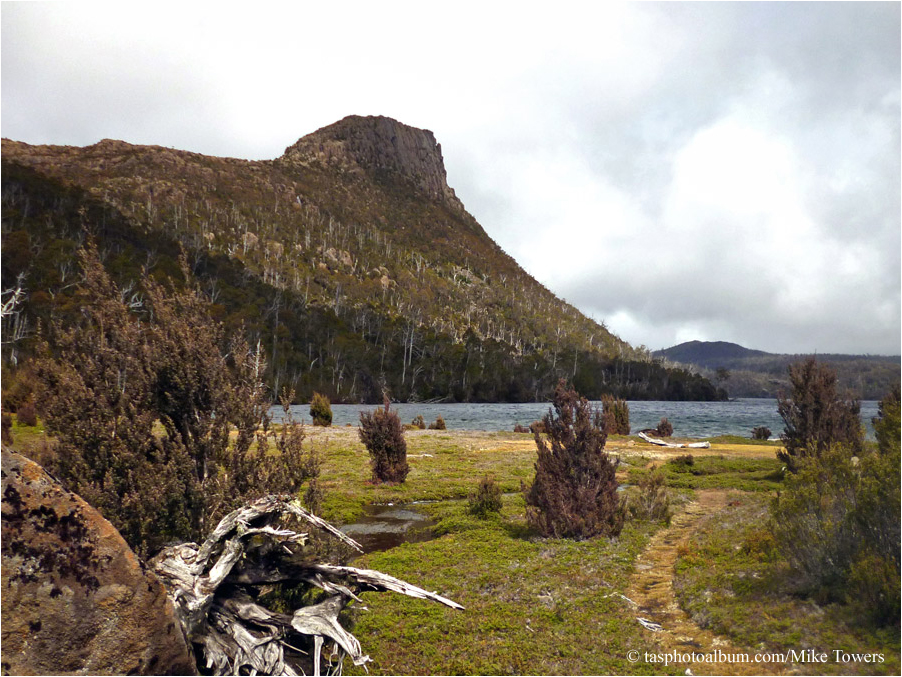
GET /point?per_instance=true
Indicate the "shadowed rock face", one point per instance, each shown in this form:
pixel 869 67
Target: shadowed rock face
pixel 76 599
pixel 377 143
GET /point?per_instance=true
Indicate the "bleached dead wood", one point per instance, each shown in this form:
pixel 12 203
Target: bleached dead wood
pixel 650 625
pixel 217 588
pixel 672 445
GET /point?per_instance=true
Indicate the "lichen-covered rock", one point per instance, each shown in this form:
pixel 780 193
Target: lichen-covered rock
pixel 75 597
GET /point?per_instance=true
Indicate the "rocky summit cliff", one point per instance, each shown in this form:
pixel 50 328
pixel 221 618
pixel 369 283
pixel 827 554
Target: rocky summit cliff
pixel 348 258
pixel 378 144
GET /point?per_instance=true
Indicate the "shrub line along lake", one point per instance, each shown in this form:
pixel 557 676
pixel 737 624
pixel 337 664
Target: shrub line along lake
pixel 689 419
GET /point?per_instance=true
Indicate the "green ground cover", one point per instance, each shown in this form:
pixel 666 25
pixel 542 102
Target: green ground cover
pixel 546 606
pixel 733 582
pixel 688 471
pixel 532 605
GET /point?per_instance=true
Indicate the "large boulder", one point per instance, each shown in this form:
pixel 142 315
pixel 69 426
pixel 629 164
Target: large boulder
pixel 75 598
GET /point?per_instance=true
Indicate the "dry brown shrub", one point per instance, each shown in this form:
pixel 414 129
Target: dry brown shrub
pixel 383 436
pixel 574 493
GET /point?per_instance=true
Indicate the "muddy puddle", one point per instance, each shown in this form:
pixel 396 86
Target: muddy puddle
pixel 383 527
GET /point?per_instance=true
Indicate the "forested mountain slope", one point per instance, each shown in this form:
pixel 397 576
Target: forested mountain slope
pixel 755 373
pixel 349 258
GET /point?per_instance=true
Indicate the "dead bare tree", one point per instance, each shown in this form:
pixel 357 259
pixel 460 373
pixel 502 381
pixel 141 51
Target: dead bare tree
pixel 219 591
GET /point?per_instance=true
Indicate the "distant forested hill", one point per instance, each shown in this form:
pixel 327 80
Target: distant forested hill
pixel 755 373
pixel 349 259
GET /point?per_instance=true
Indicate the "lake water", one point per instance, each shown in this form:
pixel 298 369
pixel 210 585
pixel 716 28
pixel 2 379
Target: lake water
pixel 689 419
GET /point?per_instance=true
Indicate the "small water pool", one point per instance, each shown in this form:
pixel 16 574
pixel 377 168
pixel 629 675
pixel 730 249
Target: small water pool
pixel 383 527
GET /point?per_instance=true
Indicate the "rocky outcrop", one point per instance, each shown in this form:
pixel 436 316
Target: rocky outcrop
pixel 377 143
pixel 76 599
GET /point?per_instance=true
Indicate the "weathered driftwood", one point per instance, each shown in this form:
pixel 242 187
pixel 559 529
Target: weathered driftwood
pixel 650 625
pixel 672 445
pixel 216 590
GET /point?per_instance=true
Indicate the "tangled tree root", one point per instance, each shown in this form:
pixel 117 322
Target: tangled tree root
pixel 216 589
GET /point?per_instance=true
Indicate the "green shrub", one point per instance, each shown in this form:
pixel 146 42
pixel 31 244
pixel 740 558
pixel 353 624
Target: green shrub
pixel 321 410
pixel 383 436
pixel 616 415
pixel 873 589
pixel 815 417
pixel 760 544
pixel 649 500
pixel 887 423
pixel 761 432
pixel 837 522
pixel 812 520
pixel 574 493
pixel 18 387
pixel 682 461
pixel 439 424
pixel 486 499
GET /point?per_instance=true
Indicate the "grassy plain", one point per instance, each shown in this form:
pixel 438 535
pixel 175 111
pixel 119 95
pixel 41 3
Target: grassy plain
pixel 546 606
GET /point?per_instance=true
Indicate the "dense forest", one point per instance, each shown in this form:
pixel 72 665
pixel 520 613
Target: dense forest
pixel 354 281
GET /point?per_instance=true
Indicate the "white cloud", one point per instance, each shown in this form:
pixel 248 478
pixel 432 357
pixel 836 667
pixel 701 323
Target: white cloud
pixel 728 171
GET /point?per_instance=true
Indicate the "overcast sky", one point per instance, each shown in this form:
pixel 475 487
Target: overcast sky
pixel 678 170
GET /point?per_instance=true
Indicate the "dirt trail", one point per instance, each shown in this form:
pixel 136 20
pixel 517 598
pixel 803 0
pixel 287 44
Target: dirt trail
pixel 651 588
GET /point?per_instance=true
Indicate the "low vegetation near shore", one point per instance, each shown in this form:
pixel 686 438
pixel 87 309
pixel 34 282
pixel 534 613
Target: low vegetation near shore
pixel 734 582
pixel 540 605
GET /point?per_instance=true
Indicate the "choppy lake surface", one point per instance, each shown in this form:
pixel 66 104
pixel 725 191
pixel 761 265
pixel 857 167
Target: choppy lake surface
pixel 689 419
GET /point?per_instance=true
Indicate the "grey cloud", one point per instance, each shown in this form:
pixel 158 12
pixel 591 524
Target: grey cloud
pixel 823 79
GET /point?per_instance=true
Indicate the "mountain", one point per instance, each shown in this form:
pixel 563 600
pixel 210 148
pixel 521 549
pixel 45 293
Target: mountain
pixel 709 354
pixel 349 258
pixel 755 373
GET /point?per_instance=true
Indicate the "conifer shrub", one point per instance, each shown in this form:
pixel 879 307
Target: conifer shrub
pixel 105 384
pixel 537 427
pixel 418 423
pixel 574 493
pixel 649 501
pixel 383 436
pixel 438 424
pixel 26 414
pixel 321 410
pixel 761 432
pixel 486 499
pixel 664 429
pixel 616 415
pixel 815 416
